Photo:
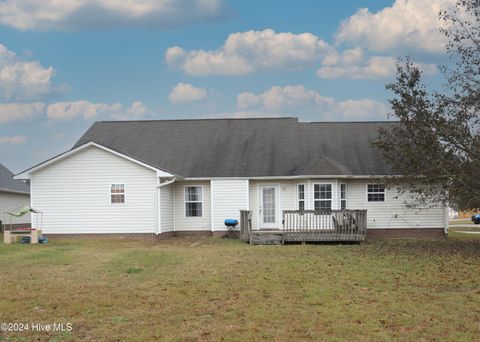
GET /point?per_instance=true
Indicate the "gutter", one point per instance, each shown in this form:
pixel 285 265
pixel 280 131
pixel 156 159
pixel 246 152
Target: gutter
pixel 157 206
pixel 18 192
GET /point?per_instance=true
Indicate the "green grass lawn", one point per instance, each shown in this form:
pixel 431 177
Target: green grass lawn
pixel 460 222
pixel 195 289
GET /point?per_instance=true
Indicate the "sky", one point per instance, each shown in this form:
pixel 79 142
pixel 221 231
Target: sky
pixel 66 64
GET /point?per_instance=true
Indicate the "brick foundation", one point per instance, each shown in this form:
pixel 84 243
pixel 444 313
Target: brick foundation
pixel 146 236
pixel 429 233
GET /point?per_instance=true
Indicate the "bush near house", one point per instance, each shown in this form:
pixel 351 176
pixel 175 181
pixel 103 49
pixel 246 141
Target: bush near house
pixel 213 289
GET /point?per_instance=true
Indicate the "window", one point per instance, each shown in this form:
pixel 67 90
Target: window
pixel 343 196
pixel 193 201
pixel 301 197
pixel 375 193
pixel 322 196
pixel 117 193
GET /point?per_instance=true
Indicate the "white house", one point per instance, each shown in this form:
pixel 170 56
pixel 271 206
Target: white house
pixel 187 176
pixel 14 194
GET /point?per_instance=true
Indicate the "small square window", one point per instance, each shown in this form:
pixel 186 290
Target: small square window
pixel 117 193
pixel 376 193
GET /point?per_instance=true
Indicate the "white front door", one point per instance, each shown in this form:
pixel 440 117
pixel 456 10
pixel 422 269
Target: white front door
pixel 268 206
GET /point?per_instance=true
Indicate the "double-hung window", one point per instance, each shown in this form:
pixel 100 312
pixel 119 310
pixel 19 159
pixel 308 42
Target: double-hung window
pixel 343 196
pixel 193 201
pixel 117 193
pixel 322 196
pixel 375 193
pixel 301 197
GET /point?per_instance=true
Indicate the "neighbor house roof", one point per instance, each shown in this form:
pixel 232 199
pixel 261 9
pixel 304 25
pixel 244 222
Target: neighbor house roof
pixel 7 183
pixel 245 147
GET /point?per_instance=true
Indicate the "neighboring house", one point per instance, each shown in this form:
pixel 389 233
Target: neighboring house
pixel 187 176
pixel 14 194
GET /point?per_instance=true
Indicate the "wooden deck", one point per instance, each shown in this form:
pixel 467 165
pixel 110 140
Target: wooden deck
pixel 308 226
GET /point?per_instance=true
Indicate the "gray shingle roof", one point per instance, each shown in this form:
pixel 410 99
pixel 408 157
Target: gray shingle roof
pixel 245 147
pixel 7 183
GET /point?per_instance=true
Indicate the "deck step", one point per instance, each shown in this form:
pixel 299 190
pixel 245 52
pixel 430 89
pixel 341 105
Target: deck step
pixel 266 238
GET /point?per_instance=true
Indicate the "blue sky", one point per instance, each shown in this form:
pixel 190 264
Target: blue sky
pixel 64 65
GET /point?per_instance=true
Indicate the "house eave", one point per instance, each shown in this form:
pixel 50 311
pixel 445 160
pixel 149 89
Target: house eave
pixel 293 177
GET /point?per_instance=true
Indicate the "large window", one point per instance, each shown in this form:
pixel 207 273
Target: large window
pixel 343 196
pixel 117 193
pixel 375 193
pixel 322 196
pixel 301 197
pixel 193 201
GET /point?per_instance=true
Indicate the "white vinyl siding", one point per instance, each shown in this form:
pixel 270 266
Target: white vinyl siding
pixel 9 202
pixel 166 208
pixel 183 223
pixel 392 213
pixel 228 198
pixel 74 195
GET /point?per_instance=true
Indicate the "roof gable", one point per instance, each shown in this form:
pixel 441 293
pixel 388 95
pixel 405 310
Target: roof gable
pixel 26 174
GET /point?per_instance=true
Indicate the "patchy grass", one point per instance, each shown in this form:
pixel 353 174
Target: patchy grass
pixel 459 222
pixel 178 289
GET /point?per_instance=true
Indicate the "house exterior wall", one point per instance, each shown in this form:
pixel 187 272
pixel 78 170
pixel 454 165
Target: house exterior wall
pixel 9 202
pixel 166 209
pixel 74 195
pixel 391 214
pixel 183 223
pixel 228 198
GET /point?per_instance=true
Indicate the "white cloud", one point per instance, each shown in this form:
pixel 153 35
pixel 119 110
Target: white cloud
pixel 352 64
pixel 10 112
pixel 89 110
pixel 283 98
pixel 308 104
pixel 14 140
pixel 184 92
pixel 136 111
pixel 246 52
pixel 411 24
pixel 23 80
pixel 88 14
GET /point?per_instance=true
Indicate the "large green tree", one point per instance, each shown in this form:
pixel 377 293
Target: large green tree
pixel 436 145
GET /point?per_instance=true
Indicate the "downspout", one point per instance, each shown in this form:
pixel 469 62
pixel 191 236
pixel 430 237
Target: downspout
pixel 158 196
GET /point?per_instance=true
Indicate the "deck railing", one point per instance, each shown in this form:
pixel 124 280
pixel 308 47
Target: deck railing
pixel 324 225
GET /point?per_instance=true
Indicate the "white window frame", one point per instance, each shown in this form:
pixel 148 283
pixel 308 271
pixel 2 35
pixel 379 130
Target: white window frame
pixel 124 193
pixel 304 200
pixel 185 200
pixel 331 195
pixel 375 192
pixel 340 195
